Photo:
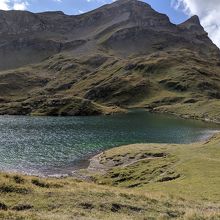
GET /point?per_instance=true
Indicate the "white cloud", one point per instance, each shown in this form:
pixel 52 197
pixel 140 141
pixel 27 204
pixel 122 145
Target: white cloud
pixel 207 10
pixel 80 12
pixel 20 5
pixel 4 5
pixel 13 4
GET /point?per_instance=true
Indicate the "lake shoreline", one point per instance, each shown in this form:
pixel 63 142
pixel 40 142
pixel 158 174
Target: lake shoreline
pixel 68 171
pixel 184 116
pixel 92 164
pixel 95 165
pixel 119 110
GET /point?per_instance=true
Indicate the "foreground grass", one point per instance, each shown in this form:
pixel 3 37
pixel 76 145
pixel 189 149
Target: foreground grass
pixel 134 182
pixel 31 198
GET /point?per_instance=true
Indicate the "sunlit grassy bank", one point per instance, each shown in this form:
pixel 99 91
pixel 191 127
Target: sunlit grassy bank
pixel 191 171
pixel 143 181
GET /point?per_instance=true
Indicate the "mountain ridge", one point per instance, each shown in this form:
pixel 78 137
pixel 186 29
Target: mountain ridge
pixel 62 32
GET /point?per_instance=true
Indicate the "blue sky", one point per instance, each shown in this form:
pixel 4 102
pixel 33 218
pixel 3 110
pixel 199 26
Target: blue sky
pixel 77 6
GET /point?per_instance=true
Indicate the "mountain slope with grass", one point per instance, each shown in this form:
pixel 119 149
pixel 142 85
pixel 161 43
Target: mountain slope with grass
pixel 118 56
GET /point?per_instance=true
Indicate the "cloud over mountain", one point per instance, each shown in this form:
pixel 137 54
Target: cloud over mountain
pixel 208 11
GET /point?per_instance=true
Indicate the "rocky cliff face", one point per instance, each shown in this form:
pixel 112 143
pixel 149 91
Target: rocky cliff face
pixel 125 27
pixel 123 54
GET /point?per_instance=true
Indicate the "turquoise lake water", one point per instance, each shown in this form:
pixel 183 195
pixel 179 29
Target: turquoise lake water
pixel 58 145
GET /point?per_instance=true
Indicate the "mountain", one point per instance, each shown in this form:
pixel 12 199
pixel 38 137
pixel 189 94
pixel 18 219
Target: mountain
pixel 121 55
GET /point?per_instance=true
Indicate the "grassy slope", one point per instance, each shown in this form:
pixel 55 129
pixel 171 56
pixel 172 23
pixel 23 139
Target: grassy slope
pixel 179 82
pixel 190 170
pixel 191 190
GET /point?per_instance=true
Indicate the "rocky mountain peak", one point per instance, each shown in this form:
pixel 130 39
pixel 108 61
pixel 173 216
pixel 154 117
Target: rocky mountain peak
pixel 193 24
pixel 130 3
pixel 142 13
pixel 135 6
pixel 125 27
pixel 194 20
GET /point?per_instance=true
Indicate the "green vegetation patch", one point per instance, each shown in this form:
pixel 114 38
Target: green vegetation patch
pixel 132 170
